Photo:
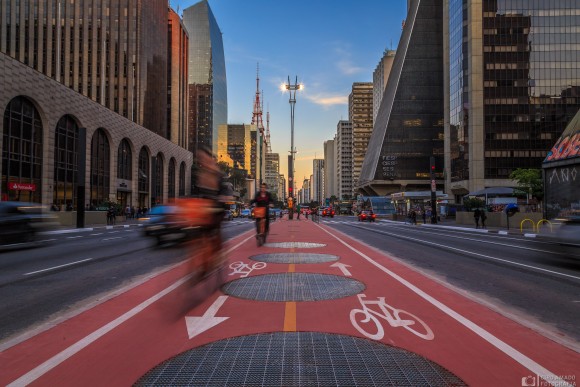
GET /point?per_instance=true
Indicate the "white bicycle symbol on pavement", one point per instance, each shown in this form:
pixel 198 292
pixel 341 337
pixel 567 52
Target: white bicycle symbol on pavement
pixel 395 317
pixel 245 269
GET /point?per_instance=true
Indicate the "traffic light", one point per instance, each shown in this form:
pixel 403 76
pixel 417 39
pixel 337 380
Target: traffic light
pixel 290 191
pixel 432 164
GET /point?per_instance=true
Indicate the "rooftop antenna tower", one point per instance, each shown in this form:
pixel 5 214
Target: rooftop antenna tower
pixel 257 113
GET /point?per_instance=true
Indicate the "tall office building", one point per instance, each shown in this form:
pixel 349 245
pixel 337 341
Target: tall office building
pixel 240 145
pixel 272 175
pixel 207 70
pixel 380 78
pixel 317 181
pixel 113 53
pixel 512 86
pixel 177 89
pixel 223 153
pixel 409 124
pixel 98 70
pixel 282 188
pixel 329 169
pixel 344 159
pixel 360 114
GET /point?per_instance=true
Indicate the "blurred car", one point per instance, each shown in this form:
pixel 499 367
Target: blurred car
pixel 20 222
pixel 275 213
pixel 569 232
pixel 245 213
pixel 166 223
pixel 328 211
pixel 228 215
pixel 366 216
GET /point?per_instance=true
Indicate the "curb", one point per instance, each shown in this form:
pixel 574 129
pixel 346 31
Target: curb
pixel 87 229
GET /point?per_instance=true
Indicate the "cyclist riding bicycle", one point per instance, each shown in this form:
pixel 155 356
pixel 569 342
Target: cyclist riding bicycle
pixel 207 207
pixel 263 198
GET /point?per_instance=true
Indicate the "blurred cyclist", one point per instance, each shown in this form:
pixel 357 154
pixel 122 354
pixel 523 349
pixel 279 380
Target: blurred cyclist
pixel 211 193
pixel 263 199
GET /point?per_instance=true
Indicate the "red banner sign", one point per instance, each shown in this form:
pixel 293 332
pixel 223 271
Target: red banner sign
pixel 21 187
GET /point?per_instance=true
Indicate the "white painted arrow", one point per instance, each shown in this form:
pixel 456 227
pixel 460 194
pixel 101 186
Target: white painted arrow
pixel 342 268
pixel 198 325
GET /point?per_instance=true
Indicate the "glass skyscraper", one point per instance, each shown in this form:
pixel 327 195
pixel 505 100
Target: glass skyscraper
pixel 206 67
pixel 409 125
pixel 514 77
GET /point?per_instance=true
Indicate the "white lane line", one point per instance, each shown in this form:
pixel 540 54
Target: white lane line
pixel 486 256
pixel 75 237
pixel 100 233
pixel 487 336
pixel 59 358
pixel 47 240
pixel 58 267
pixel 110 239
pixel 113 232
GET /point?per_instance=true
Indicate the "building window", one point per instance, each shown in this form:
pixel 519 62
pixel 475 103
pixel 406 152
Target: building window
pixel 182 179
pixel 157 195
pixel 143 180
pixel 124 162
pixel 171 180
pixel 22 152
pixel 100 168
pixel 65 163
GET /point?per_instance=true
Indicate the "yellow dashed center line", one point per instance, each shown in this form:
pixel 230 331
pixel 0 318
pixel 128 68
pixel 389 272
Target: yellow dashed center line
pixel 290 310
pixel 290 317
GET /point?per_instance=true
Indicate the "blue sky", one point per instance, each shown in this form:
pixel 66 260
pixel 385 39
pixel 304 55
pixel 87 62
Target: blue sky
pixel 328 44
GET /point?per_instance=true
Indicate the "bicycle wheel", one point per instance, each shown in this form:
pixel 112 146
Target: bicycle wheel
pixel 365 319
pixel 259 265
pixel 415 325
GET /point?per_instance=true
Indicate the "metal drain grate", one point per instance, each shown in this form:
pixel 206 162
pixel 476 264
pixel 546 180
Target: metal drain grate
pixel 293 287
pixel 294 258
pixel 298 359
pixel 295 245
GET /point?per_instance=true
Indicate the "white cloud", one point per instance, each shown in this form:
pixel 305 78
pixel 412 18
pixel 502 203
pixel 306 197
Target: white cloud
pixel 347 68
pixel 328 100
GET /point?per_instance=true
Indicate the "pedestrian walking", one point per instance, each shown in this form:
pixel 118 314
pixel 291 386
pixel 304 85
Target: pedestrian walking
pixel 483 217
pixel 476 216
pixel 298 209
pixel 413 217
pixel 424 217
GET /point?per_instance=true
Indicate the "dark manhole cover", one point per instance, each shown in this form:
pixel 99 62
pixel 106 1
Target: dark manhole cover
pixel 294 258
pixel 298 359
pixel 293 287
pixel 295 245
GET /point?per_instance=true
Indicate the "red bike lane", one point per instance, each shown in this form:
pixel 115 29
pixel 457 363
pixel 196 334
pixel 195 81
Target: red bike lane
pixel 118 341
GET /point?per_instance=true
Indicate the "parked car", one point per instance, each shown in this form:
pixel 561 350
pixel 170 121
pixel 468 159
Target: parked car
pixel 245 213
pixel 20 222
pixel 366 216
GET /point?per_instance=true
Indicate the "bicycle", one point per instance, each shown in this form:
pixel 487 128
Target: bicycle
pixel 260 215
pixel 390 314
pixel 245 269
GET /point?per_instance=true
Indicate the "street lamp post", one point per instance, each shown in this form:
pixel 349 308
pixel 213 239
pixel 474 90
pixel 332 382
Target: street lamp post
pixel 292 88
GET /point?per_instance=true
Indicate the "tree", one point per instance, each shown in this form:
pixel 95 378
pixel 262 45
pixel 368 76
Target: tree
pixel 473 203
pixel 224 167
pixel 530 181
